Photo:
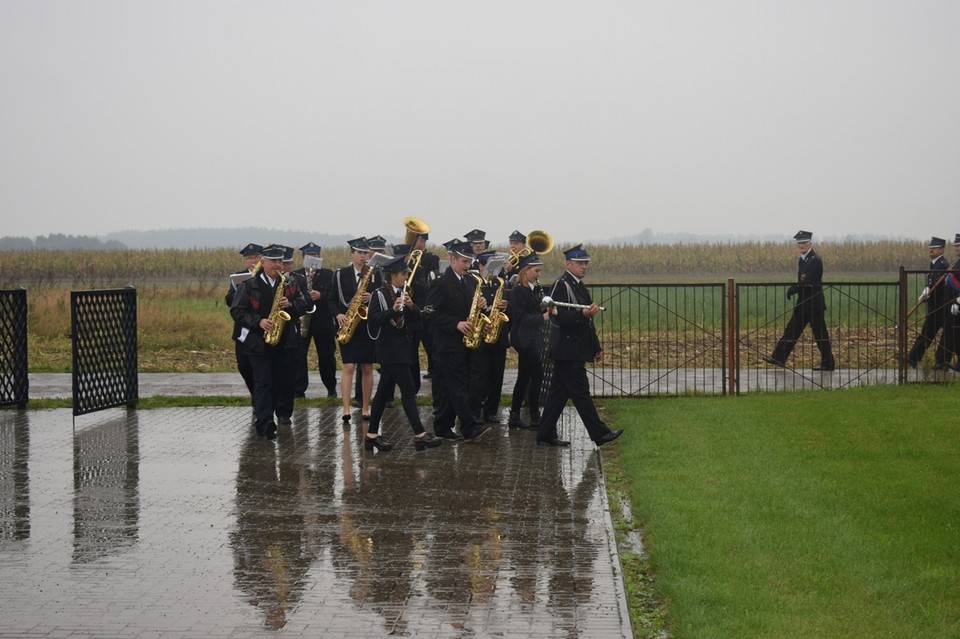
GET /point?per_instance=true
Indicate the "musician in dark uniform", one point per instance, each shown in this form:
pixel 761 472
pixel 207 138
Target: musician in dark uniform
pixel 517 242
pixel 573 341
pixel 375 244
pixel 251 256
pixel 429 271
pixel 449 300
pixel 478 244
pixel 359 350
pixel 296 291
pixel 394 319
pixel 322 326
pixel 251 309
pixel 951 329
pixel 526 337
pixel 489 360
pixel 808 309
pixel 938 308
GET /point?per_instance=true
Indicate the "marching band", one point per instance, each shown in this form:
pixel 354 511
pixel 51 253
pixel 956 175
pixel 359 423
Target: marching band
pixel 387 303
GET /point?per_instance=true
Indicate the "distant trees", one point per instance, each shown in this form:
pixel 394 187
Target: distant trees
pixel 59 242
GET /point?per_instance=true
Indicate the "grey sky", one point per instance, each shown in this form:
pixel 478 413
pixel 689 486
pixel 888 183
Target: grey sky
pixel 591 120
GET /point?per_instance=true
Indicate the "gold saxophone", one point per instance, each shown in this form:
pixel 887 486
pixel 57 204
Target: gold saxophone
pixel 278 316
pixel 356 312
pixel 497 317
pixel 476 318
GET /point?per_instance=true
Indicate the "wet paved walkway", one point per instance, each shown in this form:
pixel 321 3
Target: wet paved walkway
pixel 179 523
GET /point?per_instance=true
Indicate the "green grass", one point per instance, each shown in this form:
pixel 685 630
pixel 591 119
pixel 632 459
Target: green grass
pixel 830 514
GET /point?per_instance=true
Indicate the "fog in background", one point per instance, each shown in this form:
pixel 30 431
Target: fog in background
pixel 591 120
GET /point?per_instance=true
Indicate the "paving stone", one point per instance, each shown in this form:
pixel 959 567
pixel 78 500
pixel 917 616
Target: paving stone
pixel 182 523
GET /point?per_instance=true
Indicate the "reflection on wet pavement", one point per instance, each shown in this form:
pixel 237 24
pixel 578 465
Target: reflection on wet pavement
pixel 177 522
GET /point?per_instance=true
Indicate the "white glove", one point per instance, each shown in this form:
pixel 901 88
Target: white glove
pixel 955 309
pixel 924 295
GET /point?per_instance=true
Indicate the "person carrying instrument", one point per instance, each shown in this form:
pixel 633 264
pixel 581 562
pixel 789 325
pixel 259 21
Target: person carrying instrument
pixel 258 307
pixel 573 341
pixel 251 257
pixel 428 272
pixel 450 300
pixel 349 306
pixel 394 318
pixel 296 291
pixel 938 308
pixel 322 326
pixel 478 244
pixel 526 336
pixel 489 360
pixel 808 309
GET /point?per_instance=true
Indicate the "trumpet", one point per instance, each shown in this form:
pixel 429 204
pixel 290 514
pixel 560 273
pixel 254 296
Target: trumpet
pixel 548 301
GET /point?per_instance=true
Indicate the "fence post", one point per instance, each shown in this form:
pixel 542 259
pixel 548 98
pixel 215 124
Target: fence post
pixel 902 329
pixel 732 338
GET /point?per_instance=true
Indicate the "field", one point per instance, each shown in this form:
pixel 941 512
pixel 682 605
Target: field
pixel 184 324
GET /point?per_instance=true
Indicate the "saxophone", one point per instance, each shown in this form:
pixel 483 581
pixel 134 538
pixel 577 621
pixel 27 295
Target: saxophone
pixel 497 317
pixel 356 312
pixel 305 318
pixel 476 318
pixel 278 316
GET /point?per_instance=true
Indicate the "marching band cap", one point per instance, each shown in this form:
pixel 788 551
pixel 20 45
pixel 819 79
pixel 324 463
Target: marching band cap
pixel 577 253
pixel 401 249
pixel 272 252
pixel 476 235
pixel 531 259
pixel 486 255
pixel 463 249
pixel 377 242
pixel 287 253
pixel 359 244
pixel 449 244
pixel 309 248
pixel 937 242
pixel 803 236
pixel 517 236
pixel 396 265
pixel 256 249
pixel 956 239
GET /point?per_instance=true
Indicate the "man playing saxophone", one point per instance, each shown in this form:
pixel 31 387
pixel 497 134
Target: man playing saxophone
pixel 256 309
pixel 449 301
pixel 489 359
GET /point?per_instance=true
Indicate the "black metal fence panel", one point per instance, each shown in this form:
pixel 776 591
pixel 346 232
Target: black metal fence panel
pixel 103 327
pixel 14 380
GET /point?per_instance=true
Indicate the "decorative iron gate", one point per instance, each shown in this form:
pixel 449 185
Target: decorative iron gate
pixel 14 381
pixel 103 327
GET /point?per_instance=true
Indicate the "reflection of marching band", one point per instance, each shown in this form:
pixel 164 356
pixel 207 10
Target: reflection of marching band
pixel 387 302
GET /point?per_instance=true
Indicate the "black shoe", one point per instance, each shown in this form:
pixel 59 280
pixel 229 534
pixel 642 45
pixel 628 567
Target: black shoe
pixel 476 432
pixel 449 434
pixel 516 420
pixel 552 442
pixel 365 418
pixel 346 418
pixel 331 392
pixel 283 421
pixel 427 441
pixel 939 366
pixel 825 369
pixel 271 431
pixel 427 376
pixel 911 364
pixel 770 360
pixel 609 437
pixel 299 395
pixel 377 442
pixel 261 429
pixel 492 418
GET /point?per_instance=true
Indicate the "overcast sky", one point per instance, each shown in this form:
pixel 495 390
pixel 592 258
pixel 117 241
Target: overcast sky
pixel 591 120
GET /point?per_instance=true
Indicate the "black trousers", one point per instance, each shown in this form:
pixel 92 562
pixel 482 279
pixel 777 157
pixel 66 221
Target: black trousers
pixel 486 386
pixel 934 321
pixel 267 379
pixel 569 381
pixel 395 375
pixel 454 378
pixel 244 366
pixel 284 391
pixel 798 322
pixel 529 380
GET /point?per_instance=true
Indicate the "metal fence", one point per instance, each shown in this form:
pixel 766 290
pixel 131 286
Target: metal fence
pixel 103 326
pixel 14 381
pixel 711 338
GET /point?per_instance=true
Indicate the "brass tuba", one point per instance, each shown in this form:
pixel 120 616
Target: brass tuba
pixel 415 227
pixel 539 242
pixel 278 316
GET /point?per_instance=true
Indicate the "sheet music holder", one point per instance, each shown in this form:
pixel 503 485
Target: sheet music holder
pixel 237 278
pixel 378 260
pixel 314 262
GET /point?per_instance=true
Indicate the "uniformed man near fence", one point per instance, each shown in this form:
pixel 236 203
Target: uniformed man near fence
pixel 808 309
pixel 573 342
pixel 251 256
pixel 935 296
pixel 951 329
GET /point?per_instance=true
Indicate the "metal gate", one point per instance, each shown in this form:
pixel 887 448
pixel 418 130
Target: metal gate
pixel 103 326
pixel 14 381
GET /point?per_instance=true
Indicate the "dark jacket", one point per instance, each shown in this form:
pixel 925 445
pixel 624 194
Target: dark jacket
pixel 573 336
pixel 393 342
pixel 345 287
pixel 252 302
pixel 448 302
pixel 809 291
pixel 322 322
pixel 526 317
pixel 938 295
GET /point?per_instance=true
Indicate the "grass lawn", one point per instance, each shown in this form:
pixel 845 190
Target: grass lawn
pixel 821 514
